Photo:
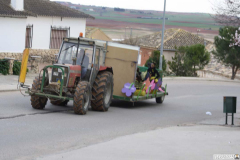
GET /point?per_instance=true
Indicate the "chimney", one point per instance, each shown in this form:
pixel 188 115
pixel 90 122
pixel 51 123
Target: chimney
pixel 18 5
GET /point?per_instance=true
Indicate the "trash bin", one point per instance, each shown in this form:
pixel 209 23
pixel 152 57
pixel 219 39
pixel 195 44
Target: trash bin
pixel 229 104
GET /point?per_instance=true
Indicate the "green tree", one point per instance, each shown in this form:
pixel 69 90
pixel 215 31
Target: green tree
pixel 224 53
pixel 16 67
pixel 178 65
pixel 155 58
pixel 188 59
pixel 197 57
pixel 4 67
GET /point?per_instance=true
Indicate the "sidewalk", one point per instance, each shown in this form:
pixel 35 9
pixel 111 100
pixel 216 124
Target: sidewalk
pixel 187 142
pixel 201 79
pixel 10 82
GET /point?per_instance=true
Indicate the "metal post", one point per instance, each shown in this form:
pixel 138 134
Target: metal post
pixel 226 119
pixel 131 33
pixel 163 29
pixel 232 118
pixel 125 32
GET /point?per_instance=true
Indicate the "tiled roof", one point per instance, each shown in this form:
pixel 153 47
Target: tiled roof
pixel 43 8
pixel 172 38
pixel 90 31
pixel 7 10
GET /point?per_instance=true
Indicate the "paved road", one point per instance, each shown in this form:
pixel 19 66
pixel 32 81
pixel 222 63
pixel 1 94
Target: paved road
pixel 27 134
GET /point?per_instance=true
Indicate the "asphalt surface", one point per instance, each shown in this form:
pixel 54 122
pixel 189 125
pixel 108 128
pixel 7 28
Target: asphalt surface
pixel 26 133
pixel 172 143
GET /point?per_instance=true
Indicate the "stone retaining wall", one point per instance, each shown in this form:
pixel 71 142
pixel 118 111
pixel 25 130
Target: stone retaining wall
pixel 212 74
pixel 17 56
pixel 47 55
pixel 217 69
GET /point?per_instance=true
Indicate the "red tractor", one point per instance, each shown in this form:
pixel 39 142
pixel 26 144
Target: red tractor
pixel 79 75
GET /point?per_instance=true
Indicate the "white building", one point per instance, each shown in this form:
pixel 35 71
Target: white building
pixel 37 24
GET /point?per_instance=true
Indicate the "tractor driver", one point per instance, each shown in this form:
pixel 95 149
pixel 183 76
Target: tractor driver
pixel 85 61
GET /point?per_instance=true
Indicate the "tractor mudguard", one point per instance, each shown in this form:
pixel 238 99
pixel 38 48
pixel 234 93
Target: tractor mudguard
pixel 105 68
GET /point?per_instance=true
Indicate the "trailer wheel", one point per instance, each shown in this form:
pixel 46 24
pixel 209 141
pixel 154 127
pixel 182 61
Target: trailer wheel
pixel 102 91
pixel 36 101
pixel 82 96
pixel 58 102
pixel 160 99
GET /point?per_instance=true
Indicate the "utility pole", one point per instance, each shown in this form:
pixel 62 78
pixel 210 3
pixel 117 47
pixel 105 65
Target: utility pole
pixel 131 33
pixel 163 29
pixel 125 33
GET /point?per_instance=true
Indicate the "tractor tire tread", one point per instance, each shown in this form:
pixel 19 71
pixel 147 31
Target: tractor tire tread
pixel 36 101
pixel 99 89
pixel 79 98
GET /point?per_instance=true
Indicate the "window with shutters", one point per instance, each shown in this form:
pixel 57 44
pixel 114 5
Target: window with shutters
pixel 57 35
pixel 29 37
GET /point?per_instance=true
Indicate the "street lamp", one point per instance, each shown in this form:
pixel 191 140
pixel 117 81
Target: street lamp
pixel 163 29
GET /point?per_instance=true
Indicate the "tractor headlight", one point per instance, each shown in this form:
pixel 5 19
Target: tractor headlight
pixel 55 73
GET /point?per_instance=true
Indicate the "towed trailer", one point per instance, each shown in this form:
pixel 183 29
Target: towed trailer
pixel 159 96
pixel 88 72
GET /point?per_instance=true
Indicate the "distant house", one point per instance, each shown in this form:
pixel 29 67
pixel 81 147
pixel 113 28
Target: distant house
pixel 96 33
pixel 149 13
pixel 119 10
pixel 145 17
pixel 172 38
pixel 133 11
pixel 73 7
pixel 165 18
pixel 37 24
pixel 141 12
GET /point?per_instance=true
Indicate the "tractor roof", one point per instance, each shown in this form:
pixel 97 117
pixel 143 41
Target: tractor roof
pixel 86 41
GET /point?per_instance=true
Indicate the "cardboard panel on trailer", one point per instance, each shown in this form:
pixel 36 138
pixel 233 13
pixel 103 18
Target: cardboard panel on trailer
pixel 123 59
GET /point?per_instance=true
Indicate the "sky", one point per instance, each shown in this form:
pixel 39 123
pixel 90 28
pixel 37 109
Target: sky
pixel 202 6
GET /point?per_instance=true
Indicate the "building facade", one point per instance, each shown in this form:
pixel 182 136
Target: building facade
pixel 37 24
pixel 172 38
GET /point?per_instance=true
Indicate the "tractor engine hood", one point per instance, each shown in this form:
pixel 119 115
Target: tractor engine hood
pixel 71 72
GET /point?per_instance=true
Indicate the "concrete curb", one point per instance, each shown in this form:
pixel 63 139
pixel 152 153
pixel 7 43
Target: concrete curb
pixel 200 79
pixel 9 90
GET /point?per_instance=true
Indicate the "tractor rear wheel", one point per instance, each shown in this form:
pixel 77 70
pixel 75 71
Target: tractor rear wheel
pixel 82 97
pixel 160 99
pixel 36 101
pixel 102 91
pixel 58 102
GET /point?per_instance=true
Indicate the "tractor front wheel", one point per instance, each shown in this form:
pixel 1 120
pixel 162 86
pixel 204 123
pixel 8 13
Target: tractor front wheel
pixel 36 101
pixel 82 97
pixel 102 91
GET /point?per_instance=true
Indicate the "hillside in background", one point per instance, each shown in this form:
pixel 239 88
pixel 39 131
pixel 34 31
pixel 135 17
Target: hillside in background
pixel 115 20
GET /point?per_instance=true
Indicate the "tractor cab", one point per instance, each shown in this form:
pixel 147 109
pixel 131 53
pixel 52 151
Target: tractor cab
pixel 74 54
pixel 81 59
